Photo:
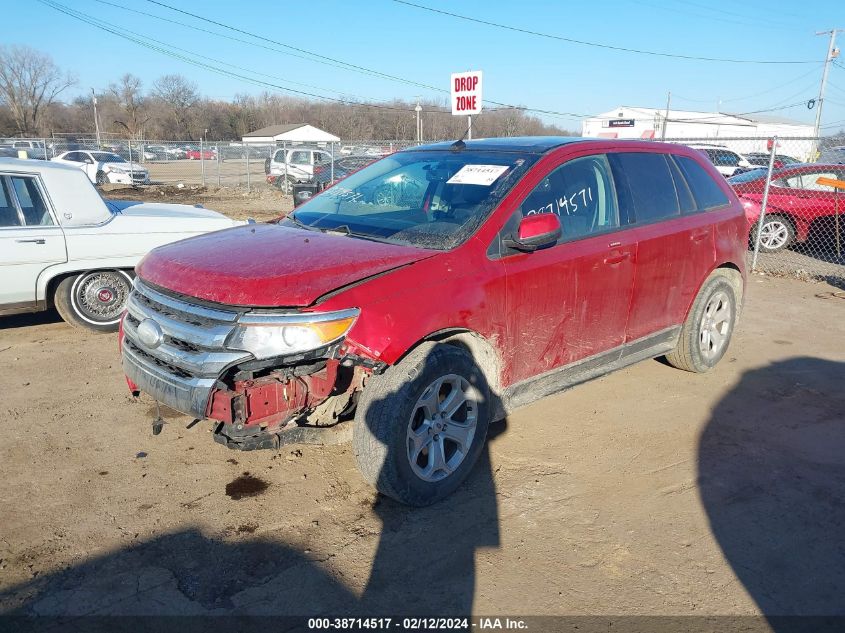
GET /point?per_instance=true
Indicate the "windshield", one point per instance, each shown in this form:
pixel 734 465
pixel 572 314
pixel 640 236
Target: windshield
pixel 430 199
pixel 106 157
pixel 748 176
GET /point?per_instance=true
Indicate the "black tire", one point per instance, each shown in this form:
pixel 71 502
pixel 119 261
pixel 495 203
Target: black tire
pixel 266 166
pixel 102 179
pixel 778 233
pixel 694 351
pixel 383 421
pixel 75 293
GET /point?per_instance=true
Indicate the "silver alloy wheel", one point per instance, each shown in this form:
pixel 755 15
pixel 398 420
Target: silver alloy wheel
pixel 715 325
pixel 99 297
pixel 442 427
pixel 774 235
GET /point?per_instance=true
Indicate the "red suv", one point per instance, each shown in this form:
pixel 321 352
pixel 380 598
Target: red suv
pixel 497 272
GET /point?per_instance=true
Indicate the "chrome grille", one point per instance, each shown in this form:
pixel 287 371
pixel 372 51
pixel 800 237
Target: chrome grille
pixel 182 370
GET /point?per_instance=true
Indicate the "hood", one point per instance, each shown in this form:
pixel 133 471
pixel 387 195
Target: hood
pixel 155 217
pixel 270 265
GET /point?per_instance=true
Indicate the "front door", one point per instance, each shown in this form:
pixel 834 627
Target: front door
pixel 569 301
pixel 30 240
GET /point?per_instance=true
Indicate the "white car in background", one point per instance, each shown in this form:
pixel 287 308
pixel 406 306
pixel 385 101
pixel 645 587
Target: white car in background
pixel 726 161
pixel 105 167
pixel 62 245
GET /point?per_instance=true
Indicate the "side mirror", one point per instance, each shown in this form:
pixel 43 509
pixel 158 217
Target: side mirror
pixel 535 231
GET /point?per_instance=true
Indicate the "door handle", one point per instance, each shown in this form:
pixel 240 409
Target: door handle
pixel 615 259
pixel 36 241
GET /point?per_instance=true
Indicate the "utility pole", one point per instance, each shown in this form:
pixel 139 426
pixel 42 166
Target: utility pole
pixel 96 118
pixel 666 117
pixel 418 109
pixel 832 53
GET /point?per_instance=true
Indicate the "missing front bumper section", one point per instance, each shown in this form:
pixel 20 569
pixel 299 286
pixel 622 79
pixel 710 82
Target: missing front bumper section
pixel 248 438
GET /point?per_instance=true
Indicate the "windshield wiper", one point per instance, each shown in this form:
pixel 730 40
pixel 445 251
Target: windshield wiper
pixel 343 229
pixel 292 217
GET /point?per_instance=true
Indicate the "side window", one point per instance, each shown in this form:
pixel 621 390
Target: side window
pixel 279 156
pixel 792 182
pixel 8 211
pixel 811 184
pixel 300 158
pixel 581 193
pixel 651 189
pixel 73 156
pixel 32 203
pixel 705 190
pixel 321 158
pixel 682 190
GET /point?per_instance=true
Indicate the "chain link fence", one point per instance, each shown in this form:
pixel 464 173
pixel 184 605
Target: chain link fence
pixel 793 191
pixel 206 163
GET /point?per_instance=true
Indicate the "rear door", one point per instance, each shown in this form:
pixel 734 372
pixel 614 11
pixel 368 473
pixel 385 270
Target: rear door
pixel 569 301
pixel 30 239
pixel 675 243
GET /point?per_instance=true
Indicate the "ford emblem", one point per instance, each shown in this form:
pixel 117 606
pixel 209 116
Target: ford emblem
pixel 150 334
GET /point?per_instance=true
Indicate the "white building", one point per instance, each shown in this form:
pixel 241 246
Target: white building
pixel 649 123
pixel 290 133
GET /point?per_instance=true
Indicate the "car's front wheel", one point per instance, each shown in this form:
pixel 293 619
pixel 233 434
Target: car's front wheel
pixel 420 427
pixel 102 178
pixel 93 300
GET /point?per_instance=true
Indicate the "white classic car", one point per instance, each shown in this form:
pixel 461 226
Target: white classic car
pixel 62 245
pixel 103 167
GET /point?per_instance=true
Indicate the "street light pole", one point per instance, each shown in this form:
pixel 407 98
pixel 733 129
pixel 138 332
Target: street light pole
pixel 418 109
pixel 96 118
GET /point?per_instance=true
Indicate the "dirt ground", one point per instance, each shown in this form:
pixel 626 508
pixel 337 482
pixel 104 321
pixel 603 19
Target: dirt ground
pixel 649 491
pixel 263 202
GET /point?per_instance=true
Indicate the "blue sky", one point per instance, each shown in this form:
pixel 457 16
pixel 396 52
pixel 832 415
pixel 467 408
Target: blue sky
pixel 519 68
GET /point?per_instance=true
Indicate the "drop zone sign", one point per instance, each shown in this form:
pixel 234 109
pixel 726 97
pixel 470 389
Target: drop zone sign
pixel 466 92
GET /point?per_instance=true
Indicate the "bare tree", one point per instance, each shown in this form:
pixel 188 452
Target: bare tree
pixel 180 95
pixel 29 83
pixel 127 92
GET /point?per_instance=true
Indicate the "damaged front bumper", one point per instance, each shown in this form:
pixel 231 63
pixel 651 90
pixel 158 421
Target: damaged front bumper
pixel 175 351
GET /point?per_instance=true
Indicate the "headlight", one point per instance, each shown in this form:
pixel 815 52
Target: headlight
pixel 269 335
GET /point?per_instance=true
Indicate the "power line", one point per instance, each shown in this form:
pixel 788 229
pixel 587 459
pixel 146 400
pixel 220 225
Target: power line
pixel 593 44
pixel 144 41
pixel 759 94
pixel 356 67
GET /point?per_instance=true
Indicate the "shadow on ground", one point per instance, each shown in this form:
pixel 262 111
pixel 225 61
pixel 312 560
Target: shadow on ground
pixel 424 565
pixel 26 320
pixel 772 480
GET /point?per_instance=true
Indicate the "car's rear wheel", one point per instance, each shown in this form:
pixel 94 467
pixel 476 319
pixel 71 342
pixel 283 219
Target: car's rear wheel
pixel 93 300
pixel 420 427
pixel 776 234
pixel 102 178
pixel 267 166
pixel 707 332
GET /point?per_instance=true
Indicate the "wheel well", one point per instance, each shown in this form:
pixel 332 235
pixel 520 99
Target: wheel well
pixel 734 276
pixel 782 214
pixel 481 350
pixel 53 283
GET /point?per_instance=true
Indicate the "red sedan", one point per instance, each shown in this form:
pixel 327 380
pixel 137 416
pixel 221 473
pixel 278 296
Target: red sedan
pixel 205 154
pixel 799 207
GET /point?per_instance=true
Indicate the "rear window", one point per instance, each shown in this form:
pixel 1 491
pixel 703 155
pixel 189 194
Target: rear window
pixel 705 190
pixel 651 189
